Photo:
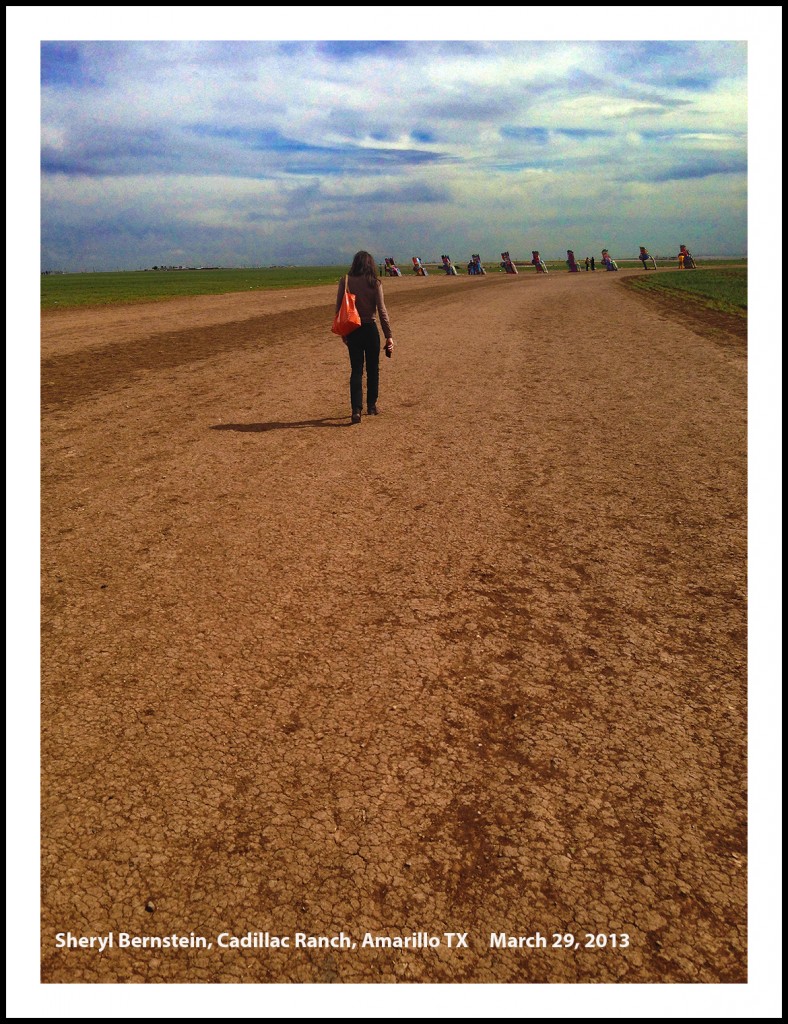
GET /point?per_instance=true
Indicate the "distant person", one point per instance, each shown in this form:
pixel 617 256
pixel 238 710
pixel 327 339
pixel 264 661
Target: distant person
pixel 593 263
pixel 588 263
pixel 363 344
pixel 681 261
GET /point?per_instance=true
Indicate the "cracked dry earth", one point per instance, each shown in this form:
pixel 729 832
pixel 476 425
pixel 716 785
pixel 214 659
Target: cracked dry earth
pixel 476 665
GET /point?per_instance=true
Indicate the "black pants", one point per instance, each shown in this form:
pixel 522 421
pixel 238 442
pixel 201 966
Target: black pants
pixel 364 345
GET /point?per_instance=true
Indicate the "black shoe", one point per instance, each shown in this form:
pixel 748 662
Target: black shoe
pixel 373 410
pixel 356 417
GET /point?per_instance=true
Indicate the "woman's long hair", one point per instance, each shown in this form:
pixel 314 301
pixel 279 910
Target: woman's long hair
pixel 364 266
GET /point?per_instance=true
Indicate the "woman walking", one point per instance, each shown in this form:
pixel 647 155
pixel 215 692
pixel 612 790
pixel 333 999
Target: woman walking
pixel 364 343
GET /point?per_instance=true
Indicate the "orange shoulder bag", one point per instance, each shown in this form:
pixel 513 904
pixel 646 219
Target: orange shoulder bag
pixel 347 319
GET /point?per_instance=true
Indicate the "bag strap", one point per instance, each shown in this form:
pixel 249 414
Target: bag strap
pixel 345 284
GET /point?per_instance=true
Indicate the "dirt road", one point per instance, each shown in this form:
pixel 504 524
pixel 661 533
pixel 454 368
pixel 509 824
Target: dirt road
pixel 476 665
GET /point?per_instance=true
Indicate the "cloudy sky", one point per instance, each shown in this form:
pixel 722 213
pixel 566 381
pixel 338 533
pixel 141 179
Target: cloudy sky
pixel 251 153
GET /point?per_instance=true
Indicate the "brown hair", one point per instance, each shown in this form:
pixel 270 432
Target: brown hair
pixel 364 266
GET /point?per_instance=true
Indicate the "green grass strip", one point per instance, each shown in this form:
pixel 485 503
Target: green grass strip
pixel 724 290
pixel 65 291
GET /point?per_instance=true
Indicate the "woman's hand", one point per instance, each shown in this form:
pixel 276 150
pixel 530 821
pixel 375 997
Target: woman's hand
pixel 389 344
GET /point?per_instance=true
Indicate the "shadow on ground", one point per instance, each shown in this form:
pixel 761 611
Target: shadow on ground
pixel 261 428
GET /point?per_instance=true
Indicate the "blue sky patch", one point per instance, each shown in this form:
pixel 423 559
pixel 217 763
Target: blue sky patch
pixel 584 133
pixel 356 49
pixel 61 65
pixel 701 168
pixel 537 136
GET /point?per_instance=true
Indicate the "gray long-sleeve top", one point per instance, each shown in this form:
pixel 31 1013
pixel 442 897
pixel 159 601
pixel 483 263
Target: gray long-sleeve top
pixel 369 300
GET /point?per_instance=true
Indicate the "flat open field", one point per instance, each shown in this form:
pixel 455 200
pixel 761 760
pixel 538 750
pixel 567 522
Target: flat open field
pixel 66 291
pixel 476 665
